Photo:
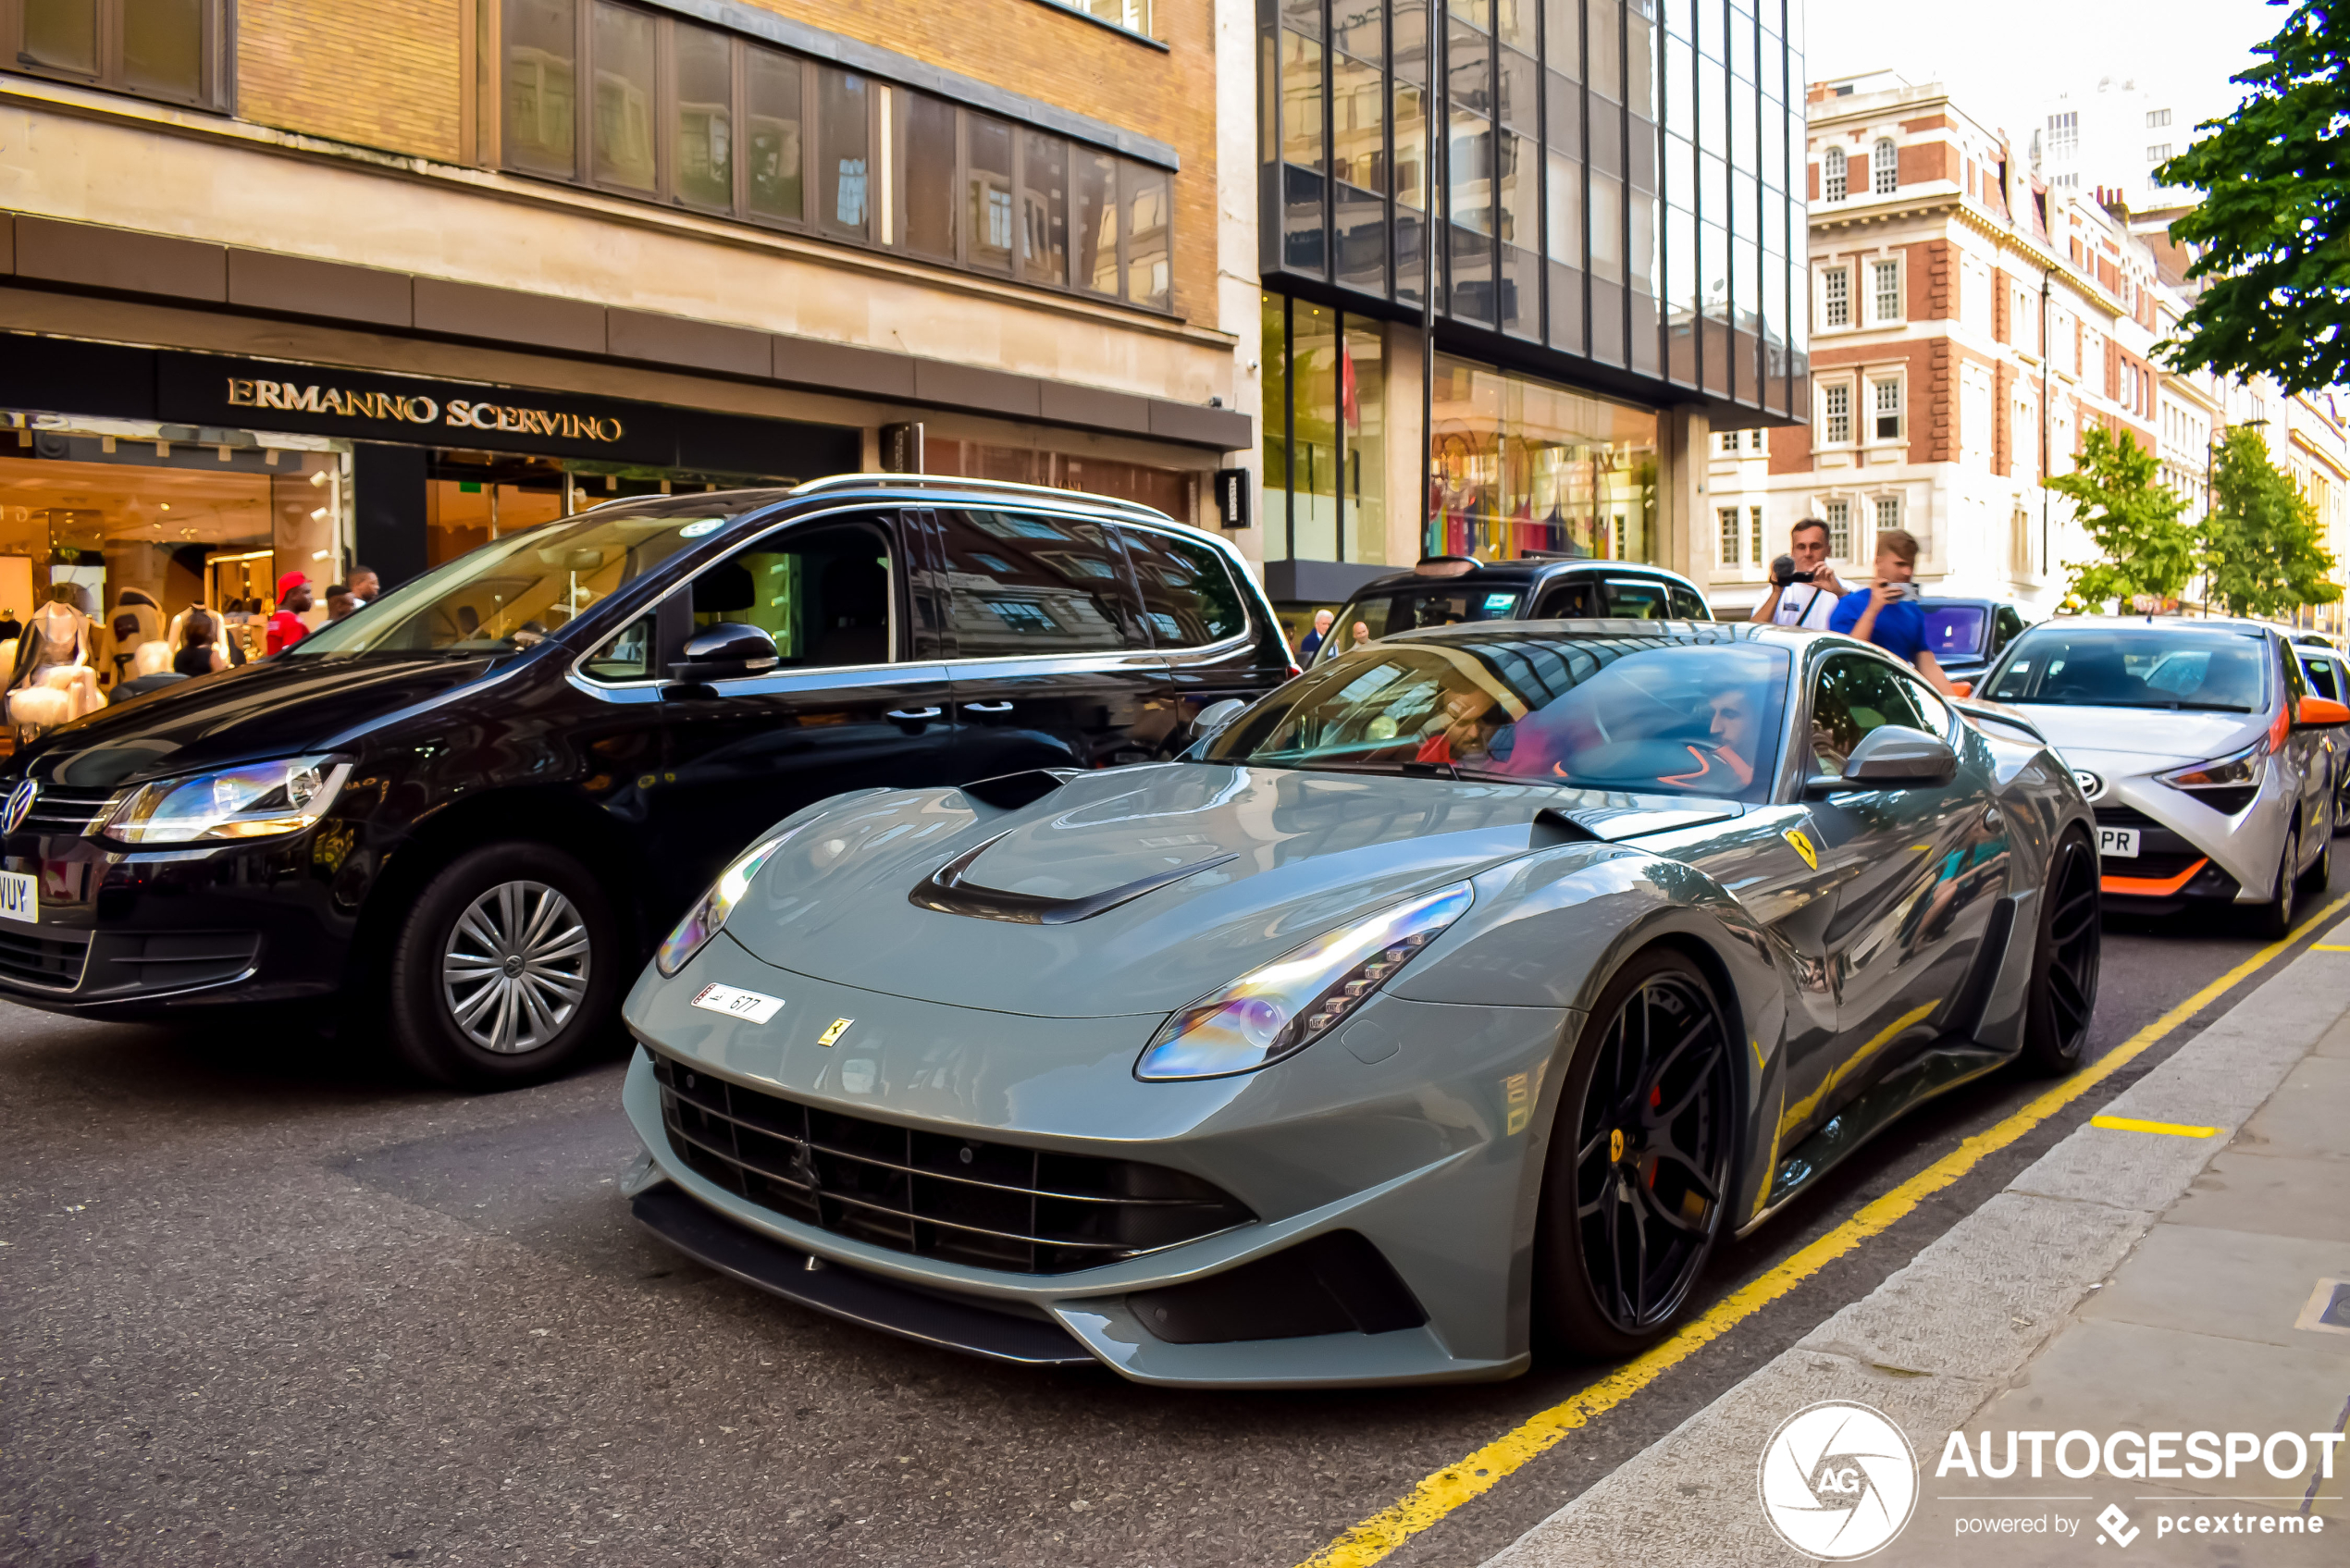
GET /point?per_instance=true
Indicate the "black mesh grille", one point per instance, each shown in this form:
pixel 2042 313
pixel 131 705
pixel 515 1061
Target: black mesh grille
pixel 64 812
pixel 990 1205
pixel 2161 853
pixel 49 959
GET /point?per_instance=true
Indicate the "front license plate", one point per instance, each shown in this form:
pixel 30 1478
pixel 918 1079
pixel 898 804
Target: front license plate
pixel 19 897
pixel 737 1003
pixel 2118 844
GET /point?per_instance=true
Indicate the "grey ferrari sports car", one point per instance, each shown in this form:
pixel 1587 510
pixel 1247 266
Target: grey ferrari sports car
pixel 1452 1000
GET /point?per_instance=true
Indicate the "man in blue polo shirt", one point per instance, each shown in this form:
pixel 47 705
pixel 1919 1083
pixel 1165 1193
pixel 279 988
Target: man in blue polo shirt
pixel 1887 614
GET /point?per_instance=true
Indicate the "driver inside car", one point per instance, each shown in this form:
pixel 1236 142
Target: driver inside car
pixel 1466 722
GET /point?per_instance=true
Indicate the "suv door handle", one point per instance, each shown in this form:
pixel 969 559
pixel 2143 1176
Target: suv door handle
pixel 987 707
pixel 912 714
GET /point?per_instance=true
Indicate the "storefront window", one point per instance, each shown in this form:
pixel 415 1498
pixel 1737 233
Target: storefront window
pixel 1326 377
pixel 772 83
pixel 705 118
pixel 131 526
pixel 1521 464
pixel 1313 389
pixel 472 498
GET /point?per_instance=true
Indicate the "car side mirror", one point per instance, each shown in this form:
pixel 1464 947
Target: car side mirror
pixel 2320 713
pixel 1889 756
pixel 1215 716
pixel 725 652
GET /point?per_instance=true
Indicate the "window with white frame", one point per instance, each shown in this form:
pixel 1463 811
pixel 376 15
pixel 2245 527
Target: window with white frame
pixel 2019 543
pixel 1835 414
pixel 1885 290
pixel 1835 297
pixel 2158 119
pixel 1754 534
pixel 1974 416
pixel 1840 530
pixel 1832 174
pixel 2064 134
pixel 1726 443
pixel 2159 153
pixel 1733 535
pixel 1888 512
pixel 1884 409
pixel 1885 167
pixel 1975 295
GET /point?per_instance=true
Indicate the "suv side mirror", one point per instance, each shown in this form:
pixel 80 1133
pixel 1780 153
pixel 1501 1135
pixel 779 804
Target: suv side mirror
pixel 1889 756
pixel 725 652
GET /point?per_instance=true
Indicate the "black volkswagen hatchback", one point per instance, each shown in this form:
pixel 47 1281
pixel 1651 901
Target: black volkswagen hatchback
pixel 471 808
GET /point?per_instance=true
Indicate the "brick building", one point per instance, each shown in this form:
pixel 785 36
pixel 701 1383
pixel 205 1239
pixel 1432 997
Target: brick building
pixel 1967 325
pixel 286 283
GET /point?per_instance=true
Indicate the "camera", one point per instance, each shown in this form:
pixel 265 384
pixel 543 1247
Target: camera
pixel 1783 572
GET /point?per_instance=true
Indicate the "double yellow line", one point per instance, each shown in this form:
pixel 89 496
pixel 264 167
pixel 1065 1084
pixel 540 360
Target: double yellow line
pixel 1440 1494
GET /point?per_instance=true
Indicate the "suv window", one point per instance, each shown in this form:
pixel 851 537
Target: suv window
pixel 1637 598
pixel 2005 627
pixel 1854 694
pixel 823 595
pixel 2322 678
pixel 1028 582
pixel 629 656
pixel 1188 595
pixel 1687 606
pixel 1574 600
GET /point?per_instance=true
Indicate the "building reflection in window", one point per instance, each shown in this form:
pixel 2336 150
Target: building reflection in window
pixel 1520 465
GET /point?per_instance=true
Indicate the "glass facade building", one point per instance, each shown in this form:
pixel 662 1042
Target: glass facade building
pixel 1598 202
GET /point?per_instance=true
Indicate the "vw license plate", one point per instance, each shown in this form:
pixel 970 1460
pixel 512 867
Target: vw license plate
pixel 2118 844
pixel 19 897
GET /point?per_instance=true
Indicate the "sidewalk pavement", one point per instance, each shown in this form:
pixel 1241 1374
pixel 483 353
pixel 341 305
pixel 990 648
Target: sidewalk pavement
pixel 2133 1279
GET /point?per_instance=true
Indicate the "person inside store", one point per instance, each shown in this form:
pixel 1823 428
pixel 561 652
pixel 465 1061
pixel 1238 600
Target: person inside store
pixel 365 586
pixel 293 598
pixel 340 601
pixel 197 653
pixel 1804 588
pixel 1312 642
pixel 1888 613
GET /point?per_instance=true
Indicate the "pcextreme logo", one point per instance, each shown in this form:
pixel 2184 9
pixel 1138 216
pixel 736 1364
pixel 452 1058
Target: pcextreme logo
pixel 1838 1481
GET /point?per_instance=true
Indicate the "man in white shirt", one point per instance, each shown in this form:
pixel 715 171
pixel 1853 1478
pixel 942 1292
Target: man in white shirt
pixel 1805 593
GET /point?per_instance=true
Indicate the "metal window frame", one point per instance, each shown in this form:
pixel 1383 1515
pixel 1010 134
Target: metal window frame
pixel 215 95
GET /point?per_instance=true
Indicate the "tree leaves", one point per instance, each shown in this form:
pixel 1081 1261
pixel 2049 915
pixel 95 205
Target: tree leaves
pixel 2273 227
pixel 2261 544
pixel 2132 517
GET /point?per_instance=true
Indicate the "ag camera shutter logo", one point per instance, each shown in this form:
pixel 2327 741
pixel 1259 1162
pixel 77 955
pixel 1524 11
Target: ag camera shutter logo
pixel 1838 1481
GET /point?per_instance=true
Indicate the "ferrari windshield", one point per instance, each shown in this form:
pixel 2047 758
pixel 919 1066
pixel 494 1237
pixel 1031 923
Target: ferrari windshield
pixel 2155 666
pixel 1597 713
pixel 520 590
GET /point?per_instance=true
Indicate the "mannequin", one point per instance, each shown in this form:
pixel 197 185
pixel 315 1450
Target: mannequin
pixel 54 657
pixel 137 621
pixel 219 639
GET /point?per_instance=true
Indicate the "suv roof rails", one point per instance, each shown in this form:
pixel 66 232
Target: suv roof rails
pixel 949 481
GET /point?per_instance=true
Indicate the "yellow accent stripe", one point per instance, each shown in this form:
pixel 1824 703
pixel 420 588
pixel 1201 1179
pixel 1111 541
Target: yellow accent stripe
pixel 2131 1124
pixel 1440 1494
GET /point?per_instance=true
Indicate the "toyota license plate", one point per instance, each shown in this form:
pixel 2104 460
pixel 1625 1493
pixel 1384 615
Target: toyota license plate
pixel 2118 844
pixel 19 897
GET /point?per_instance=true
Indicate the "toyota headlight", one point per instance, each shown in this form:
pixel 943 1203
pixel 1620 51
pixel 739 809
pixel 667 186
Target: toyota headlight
pixel 1280 1010
pixel 2227 783
pixel 708 917
pixel 259 800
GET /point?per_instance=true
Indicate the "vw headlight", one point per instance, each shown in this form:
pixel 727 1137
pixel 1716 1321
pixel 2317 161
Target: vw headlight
pixel 708 917
pixel 2227 783
pixel 1282 1008
pixel 261 800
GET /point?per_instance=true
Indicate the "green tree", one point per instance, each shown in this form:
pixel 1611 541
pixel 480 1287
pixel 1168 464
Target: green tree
pixel 2117 491
pixel 2261 544
pixel 2273 227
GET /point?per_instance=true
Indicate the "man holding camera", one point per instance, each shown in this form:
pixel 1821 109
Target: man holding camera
pixel 1888 614
pixel 1803 589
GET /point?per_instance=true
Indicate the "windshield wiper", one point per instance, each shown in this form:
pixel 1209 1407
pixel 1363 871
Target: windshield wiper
pixel 1409 770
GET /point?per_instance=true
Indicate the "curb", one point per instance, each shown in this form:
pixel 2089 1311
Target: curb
pixel 1938 1338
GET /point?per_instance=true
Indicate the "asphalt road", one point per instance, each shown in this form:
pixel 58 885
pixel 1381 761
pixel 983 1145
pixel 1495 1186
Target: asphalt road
pixel 262 1304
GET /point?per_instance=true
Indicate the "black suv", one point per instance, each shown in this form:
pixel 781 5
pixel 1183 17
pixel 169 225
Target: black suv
pixel 1446 589
pixel 1966 635
pixel 473 807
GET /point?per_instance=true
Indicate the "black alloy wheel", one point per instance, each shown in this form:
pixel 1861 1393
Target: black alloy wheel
pixel 1640 1161
pixel 2064 961
pixel 507 968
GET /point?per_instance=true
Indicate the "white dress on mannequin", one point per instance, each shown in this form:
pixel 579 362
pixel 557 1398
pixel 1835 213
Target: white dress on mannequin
pixel 58 661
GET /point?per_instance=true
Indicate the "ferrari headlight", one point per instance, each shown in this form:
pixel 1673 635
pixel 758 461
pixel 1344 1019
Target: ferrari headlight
pixel 261 800
pixel 2227 783
pixel 708 917
pixel 1286 1006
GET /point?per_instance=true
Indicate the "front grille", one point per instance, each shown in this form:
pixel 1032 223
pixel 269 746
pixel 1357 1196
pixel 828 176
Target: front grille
pixel 65 813
pixel 2161 853
pixel 990 1205
pixel 179 960
pixel 50 959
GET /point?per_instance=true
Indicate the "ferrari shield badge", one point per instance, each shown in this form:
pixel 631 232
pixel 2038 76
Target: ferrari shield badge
pixel 834 1031
pixel 1803 848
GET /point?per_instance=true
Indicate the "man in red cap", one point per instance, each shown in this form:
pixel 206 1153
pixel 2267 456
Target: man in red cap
pixel 285 627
